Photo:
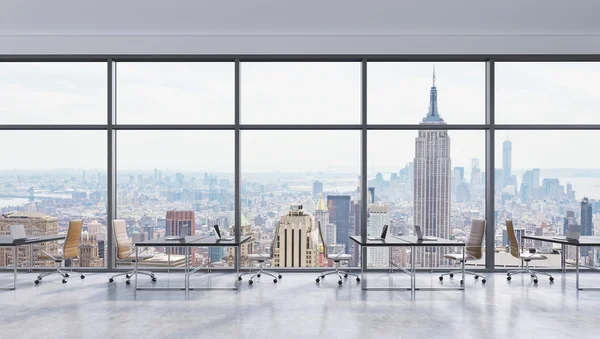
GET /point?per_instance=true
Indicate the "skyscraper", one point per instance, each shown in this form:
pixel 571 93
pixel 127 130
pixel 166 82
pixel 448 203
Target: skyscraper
pixel 378 216
pixel 322 215
pixel 317 189
pixel 475 173
pixel 339 214
pixel 432 182
pixel 587 228
pixel 175 222
pixel 506 162
pixel 297 243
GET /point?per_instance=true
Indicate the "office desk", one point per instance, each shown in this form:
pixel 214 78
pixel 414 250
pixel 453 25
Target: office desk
pixel 591 241
pixel 190 241
pixel 413 243
pixel 8 241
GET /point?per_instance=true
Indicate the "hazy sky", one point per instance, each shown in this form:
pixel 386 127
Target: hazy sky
pixel 283 93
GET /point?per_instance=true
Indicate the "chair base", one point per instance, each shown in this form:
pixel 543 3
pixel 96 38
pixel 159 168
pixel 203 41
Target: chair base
pixel 130 274
pixel 339 273
pixel 526 269
pixel 260 272
pixel 64 275
pixel 459 272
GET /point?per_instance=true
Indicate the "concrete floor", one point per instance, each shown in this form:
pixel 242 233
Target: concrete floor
pixel 297 307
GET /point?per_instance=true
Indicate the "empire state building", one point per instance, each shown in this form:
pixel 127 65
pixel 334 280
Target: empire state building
pixel 432 183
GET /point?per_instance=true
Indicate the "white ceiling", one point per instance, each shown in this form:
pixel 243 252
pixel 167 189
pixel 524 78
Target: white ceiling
pixel 265 17
pixel 309 26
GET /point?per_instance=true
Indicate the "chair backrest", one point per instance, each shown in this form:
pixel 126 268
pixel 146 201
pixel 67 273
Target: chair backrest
pixel 71 244
pixel 512 239
pixel 121 238
pixel 322 238
pixel 476 238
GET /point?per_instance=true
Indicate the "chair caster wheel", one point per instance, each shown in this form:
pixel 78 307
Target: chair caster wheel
pixel 279 276
pixel 67 275
pixel 476 277
pixel 508 278
pixel 357 279
pixel 82 276
pixel 451 275
pixel 37 282
pixel 551 279
pixel 239 278
pixel 441 278
pixel 258 275
pixel 111 280
pixel 127 276
pixel 483 281
pixel 535 281
pixel 250 282
pixel 508 274
pixel 318 280
pixel 345 276
pixel 64 281
pixel 153 279
pixel 275 281
pixel 128 282
pixel 322 277
pixel 461 282
pixel 340 283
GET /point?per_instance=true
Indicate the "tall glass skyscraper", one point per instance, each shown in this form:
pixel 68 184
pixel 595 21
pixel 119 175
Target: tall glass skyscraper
pixel 432 183
pixel 507 161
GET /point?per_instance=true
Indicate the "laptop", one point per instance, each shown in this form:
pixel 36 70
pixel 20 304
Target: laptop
pixel 420 235
pixel 383 234
pixel 573 233
pixel 18 233
pixel 219 237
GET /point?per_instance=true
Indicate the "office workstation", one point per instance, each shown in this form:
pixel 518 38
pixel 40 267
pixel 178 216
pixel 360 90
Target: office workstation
pixel 387 169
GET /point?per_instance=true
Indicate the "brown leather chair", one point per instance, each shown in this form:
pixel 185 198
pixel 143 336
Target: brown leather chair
pixel 337 259
pixel 126 253
pixel 526 257
pixel 70 251
pixel 472 250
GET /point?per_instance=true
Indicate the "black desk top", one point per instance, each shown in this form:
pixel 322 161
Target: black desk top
pixel 9 241
pixel 584 240
pixel 394 240
pixel 193 241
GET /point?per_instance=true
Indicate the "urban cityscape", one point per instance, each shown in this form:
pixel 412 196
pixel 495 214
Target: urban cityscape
pixel 282 211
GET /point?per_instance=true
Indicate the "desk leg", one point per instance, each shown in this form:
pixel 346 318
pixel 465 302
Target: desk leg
pixel 363 250
pixel 16 262
pixel 413 280
pixel 135 267
pixel 463 269
pixel 563 258
pixel 30 258
pixel 577 269
pixel 237 265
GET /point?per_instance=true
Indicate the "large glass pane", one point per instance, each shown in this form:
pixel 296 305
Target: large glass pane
pixel 545 182
pixel 407 92
pixel 430 178
pixel 300 93
pixel 53 93
pixel 170 179
pixel 547 92
pixel 291 182
pixel 48 178
pixel 175 93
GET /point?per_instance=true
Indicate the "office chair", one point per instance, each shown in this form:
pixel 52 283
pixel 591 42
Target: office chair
pixel 70 251
pixel 126 254
pixel 472 250
pixel 337 258
pixel 524 256
pixel 261 258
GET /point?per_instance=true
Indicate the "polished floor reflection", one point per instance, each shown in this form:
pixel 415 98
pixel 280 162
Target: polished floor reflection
pixel 297 307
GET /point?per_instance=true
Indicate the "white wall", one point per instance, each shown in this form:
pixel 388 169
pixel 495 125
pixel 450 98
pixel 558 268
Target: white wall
pixel 303 27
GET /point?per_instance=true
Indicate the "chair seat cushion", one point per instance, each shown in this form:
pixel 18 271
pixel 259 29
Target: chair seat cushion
pixel 532 256
pixel 141 256
pixel 457 257
pixel 259 256
pixel 339 257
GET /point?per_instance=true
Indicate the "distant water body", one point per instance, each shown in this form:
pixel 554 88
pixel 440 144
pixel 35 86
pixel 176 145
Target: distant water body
pixel 13 202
